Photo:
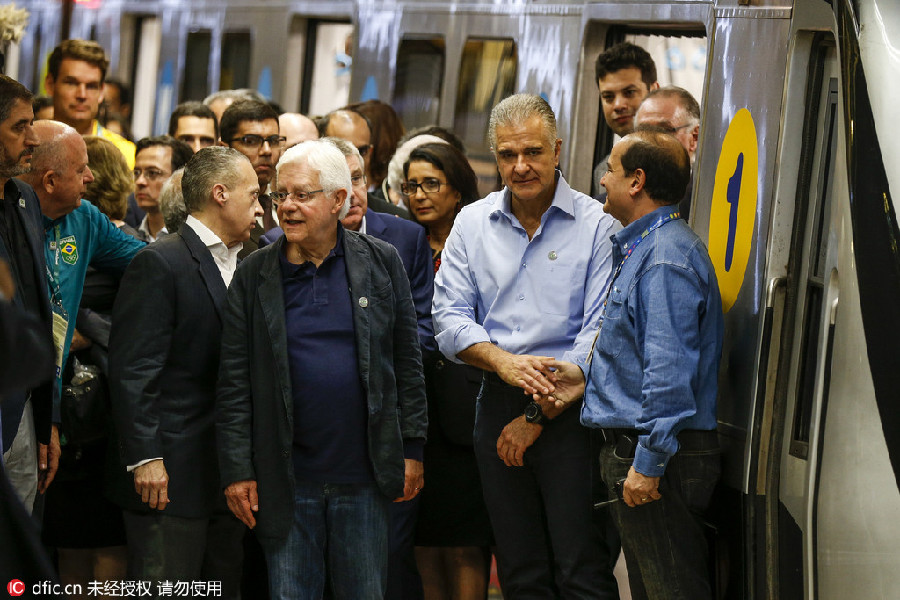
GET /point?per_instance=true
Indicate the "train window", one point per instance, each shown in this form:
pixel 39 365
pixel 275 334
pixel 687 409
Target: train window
pixel 327 68
pixel 195 85
pixel 819 189
pixel 417 88
pixel 235 71
pixel 487 75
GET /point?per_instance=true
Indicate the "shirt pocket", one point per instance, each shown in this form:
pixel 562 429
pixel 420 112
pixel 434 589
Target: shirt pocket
pixel 561 293
pixel 609 343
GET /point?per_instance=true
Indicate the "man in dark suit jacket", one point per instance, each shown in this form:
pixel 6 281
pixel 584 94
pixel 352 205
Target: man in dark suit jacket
pixel 30 441
pixel 164 361
pixel 321 400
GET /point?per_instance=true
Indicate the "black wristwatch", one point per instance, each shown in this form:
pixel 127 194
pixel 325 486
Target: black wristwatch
pixel 534 413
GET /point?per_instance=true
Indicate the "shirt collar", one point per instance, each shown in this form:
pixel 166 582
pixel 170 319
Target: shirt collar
pixel 290 269
pixel 627 235
pixel 206 235
pixel 562 199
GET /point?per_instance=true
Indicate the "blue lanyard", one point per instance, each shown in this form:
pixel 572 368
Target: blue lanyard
pixel 629 250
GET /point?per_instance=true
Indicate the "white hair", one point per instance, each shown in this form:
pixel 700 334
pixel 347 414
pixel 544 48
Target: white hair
pixel 395 167
pixel 324 158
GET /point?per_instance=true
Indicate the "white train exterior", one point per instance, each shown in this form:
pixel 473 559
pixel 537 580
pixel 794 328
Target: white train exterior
pixel 792 193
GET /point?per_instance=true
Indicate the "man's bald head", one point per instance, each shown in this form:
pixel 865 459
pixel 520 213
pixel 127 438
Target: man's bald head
pixel 51 153
pixel 664 161
pixel 297 128
pixel 351 126
pixel 60 170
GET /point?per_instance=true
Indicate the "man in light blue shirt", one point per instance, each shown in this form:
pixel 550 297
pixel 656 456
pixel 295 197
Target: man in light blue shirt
pixel 521 278
pixel 652 377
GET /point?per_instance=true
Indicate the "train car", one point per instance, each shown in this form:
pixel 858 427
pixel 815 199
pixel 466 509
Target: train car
pixel 791 194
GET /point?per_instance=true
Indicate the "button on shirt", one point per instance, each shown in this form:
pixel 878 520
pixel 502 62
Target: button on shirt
pixel 656 361
pixel 225 257
pixel 526 296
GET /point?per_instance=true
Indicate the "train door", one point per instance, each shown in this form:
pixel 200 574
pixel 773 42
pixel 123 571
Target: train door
pixel 318 65
pixel 832 493
pixel 810 311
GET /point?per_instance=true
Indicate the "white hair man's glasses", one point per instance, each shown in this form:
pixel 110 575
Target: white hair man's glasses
pixel 279 198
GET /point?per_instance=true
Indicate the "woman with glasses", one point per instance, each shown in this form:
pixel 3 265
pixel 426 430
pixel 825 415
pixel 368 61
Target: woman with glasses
pixel 453 536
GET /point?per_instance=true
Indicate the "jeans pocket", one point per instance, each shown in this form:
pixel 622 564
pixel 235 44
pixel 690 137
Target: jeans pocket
pixel 698 473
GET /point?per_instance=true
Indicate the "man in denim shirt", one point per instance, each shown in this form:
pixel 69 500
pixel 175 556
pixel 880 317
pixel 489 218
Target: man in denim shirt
pixel 652 376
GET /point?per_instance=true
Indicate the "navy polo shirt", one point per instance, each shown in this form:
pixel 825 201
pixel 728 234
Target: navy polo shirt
pixel 330 408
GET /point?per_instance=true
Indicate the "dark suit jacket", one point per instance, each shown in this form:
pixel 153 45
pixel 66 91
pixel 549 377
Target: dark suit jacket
pixel 164 362
pixel 411 243
pixel 44 397
pixel 255 404
pixel 379 203
pixel 26 347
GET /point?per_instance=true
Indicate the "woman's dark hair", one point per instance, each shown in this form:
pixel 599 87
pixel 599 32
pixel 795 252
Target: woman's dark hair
pixel 452 163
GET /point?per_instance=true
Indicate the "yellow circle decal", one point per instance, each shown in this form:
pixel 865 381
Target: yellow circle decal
pixel 733 212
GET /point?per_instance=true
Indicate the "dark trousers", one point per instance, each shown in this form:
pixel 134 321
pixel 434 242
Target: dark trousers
pixel 403 582
pixel 547 546
pixel 664 542
pixel 167 548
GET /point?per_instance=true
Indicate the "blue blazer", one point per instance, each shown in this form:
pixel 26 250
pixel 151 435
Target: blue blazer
pixel 412 245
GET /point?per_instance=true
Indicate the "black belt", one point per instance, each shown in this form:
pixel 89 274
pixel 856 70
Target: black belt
pixel 687 436
pixel 612 436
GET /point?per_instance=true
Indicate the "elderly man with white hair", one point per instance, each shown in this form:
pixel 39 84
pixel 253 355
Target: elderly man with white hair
pixel 321 399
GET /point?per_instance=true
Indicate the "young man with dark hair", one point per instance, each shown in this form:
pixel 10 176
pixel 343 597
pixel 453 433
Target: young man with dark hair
pixel 625 75
pixel 76 71
pixel 251 128
pixel 195 124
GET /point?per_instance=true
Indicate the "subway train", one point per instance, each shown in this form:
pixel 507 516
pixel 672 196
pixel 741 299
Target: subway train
pixel 791 194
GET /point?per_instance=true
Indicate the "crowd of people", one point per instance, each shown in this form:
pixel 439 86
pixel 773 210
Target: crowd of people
pixel 303 358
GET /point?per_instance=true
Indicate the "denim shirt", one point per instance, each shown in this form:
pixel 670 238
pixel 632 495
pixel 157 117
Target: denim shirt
pixel 539 296
pixel 656 360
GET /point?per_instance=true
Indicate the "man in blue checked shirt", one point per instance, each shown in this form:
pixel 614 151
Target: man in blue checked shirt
pixel 520 284
pixel 652 377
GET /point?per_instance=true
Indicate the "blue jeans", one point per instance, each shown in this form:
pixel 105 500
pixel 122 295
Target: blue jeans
pixel 339 529
pixel 664 542
pixel 541 513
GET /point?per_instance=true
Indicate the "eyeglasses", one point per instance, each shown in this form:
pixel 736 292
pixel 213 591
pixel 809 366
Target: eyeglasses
pixel 151 174
pixel 358 180
pixel 256 142
pixel 667 128
pixel 279 198
pixel 429 185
